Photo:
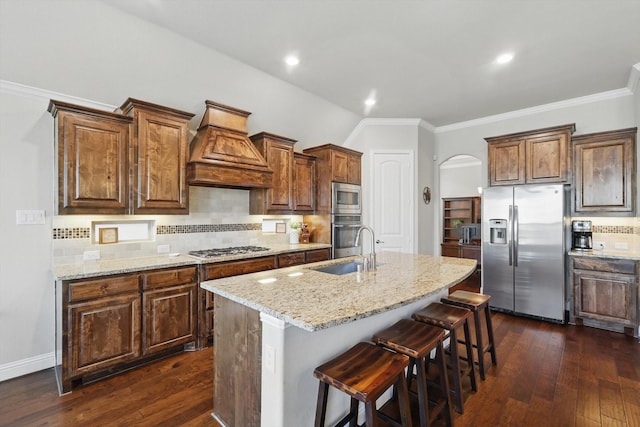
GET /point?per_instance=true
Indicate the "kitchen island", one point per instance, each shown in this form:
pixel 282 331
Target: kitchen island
pixel 273 328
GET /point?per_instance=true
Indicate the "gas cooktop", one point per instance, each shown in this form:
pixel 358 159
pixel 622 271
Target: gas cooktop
pixel 236 250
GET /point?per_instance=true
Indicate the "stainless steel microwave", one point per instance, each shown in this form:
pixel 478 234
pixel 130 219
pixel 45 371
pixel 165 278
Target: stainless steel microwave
pixel 345 198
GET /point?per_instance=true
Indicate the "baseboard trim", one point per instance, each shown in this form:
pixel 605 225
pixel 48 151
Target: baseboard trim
pixel 26 366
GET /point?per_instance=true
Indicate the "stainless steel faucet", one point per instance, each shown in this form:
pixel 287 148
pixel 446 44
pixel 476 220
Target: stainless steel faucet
pixel 372 255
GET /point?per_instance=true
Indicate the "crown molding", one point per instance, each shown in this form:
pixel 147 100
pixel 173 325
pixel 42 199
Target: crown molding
pixel 634 78
pixel 24 91
pixel 602 96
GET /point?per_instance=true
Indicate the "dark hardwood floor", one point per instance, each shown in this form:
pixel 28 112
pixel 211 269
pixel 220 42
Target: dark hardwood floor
pixel 547 375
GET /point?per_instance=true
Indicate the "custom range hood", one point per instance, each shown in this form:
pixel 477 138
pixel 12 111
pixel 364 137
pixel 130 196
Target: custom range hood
pixel 222 155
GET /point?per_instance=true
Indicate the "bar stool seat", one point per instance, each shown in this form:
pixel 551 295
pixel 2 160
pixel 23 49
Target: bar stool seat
pixel 364 372
pixel 477 303
pixel 452 318
pixel 417 340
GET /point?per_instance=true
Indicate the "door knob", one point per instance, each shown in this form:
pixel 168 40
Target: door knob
pixel 379 241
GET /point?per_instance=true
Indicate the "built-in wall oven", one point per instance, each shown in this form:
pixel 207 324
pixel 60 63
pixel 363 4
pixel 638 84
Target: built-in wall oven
pixel 344 229
pixel 346 211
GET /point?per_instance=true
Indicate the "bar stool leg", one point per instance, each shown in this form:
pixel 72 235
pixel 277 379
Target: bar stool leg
pixel 479 344
pixel 455 361
pixel 469 347
pixel 444 382
pixel 492 343
pixel 321 404
pixel 403 400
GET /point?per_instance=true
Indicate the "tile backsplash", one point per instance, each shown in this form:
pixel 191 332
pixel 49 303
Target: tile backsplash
pixel 616 233
pixel 218 217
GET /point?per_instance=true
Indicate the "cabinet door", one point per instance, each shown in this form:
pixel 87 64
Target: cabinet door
pixel 161 157
pixel 605 296
pixel 170 317
pixel 355 170
pixel 604 173
pixel 280 159
pixel 452 250
pixel 104 332
pixel 234 268
pixel 318 255
pixel 92 164
pixel 340 166
pixel 547 158
pixel 288 260
pixel 507 163
pixel 304 184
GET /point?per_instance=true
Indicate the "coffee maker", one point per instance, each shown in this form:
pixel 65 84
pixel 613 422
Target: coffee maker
pixel 581 239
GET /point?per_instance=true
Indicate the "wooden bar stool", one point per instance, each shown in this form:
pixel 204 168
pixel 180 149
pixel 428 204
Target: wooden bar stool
pixel 452 318
pixel 416 340
pixel 364 372
pixel 477 303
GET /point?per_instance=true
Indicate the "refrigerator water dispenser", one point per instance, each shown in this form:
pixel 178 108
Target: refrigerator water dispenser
pixel 498 231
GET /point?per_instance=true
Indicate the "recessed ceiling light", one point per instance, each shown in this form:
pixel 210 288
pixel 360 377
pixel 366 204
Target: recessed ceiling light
pixel 504 58
pixel 292 60
pixel 370 102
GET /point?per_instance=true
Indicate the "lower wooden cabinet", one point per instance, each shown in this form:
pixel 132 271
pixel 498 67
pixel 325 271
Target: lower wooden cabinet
pixel 606 291
pixel 169 300
pixel 104 332
pixel 111 323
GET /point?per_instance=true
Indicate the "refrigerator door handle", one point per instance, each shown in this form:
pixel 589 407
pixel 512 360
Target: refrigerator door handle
pixel 511 239
pixel 515 235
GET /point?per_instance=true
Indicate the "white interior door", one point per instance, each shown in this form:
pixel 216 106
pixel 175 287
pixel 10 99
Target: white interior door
pixel 392 200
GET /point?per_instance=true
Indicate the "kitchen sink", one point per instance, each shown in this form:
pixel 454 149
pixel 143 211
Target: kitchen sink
pixel 342 268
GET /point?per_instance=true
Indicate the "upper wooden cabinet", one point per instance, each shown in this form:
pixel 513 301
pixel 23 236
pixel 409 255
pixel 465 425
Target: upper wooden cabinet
pixel 536 156
pixel 111 163
pixel 304 183
pixel 333 164
pixel 605 173
pixel 92 164
pixel 278 153
pixel 160 149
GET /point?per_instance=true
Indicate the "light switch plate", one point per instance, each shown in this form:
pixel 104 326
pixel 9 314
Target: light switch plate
pixel 29 217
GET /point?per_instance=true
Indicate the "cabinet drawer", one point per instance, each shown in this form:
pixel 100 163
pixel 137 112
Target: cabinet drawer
pixel 234 268
pixel 287 260
pixel 605 264
pixel 97 288
pixel 172 277
pixel 317 255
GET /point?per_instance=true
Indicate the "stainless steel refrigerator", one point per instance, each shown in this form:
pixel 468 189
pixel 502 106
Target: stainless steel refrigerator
pixel 523 247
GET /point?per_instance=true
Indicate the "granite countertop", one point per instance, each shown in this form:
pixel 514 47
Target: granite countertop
pixel 608 253
pixel 313 300
pixel 105 267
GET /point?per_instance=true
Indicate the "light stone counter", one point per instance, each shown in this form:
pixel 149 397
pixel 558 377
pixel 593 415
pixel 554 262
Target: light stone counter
pixel 99 268
pixel 313 300
pixel 273 328
pixel 608 253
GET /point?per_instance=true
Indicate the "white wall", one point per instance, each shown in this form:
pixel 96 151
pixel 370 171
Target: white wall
pixel 89 50
pixel 400 134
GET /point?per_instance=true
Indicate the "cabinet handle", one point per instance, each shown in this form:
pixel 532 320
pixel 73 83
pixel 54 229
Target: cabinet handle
pixel 379 241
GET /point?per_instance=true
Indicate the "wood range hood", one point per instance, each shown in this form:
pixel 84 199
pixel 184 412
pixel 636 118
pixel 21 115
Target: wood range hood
pixel 222 155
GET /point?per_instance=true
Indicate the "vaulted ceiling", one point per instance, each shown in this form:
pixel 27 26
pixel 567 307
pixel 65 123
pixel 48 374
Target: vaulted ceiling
pixel 428 59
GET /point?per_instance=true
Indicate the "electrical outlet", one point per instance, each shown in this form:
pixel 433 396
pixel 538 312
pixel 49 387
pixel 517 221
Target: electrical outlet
pixel 163 249
pixel 598 246
pixel 270 358
pixel 91 255
pixel 253 242
pixel 621 245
